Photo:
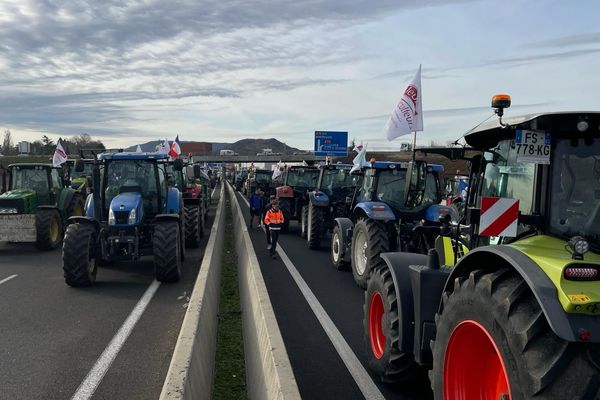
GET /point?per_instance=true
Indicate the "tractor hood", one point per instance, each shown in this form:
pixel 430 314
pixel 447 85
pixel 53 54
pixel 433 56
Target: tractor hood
pixel 18 201
pixel 121 207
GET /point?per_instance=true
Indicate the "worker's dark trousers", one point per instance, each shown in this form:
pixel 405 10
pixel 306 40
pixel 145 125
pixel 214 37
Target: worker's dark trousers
pixel 268 233
pixel 274 237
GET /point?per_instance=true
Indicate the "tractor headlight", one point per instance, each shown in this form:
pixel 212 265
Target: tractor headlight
pixel 132 217
pixel 111 217
pixel 579 246
pixel 8 211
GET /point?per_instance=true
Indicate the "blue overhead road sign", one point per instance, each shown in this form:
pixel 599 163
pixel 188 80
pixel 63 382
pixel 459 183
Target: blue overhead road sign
pixel 331 144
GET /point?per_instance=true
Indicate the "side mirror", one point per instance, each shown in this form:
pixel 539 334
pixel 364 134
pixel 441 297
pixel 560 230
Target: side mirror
pixel 415 183
pixel 178 164
pixel 79 165
pixel 197 171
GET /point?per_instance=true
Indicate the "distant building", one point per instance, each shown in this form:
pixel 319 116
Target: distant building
pixel 197 148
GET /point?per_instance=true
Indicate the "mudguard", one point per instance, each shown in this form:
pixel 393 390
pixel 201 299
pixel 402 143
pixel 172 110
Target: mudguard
pixel 434 212
pixel 81 219
pixel 173 201
pixel 168 217
pixel 346 226
pixel 318 199
pixel 564 325
pixel 376 210
pixel 89 206
pixel 284 192
pixel 398 264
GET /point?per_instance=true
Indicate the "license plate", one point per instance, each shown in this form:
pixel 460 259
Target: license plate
pixel 533 146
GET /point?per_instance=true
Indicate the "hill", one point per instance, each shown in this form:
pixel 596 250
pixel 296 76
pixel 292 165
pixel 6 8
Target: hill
pixel 245 147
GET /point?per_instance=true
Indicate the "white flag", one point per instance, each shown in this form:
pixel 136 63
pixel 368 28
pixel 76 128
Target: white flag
pixel 358 148
pixel 165 147
pixel 139 149
pixel 361 159
pixel 277 171
pixel 407 117
pixel 59 155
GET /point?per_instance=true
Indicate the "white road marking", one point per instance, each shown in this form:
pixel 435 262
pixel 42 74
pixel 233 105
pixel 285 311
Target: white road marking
pixel 95 376
pixel 8 279
pixel 359 373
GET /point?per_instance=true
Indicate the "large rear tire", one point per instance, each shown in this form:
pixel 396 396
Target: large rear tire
pixel 314 232
pixel 493 341
pixel 369 240
pixel 80 264
pixel 304 222
pixel 49 229
pixel 192 226
pixel 167 251
pixel 382 330
pixel 337 246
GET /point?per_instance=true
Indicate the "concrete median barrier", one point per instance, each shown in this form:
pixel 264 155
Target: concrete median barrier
pixel 191 371
pixel 269 374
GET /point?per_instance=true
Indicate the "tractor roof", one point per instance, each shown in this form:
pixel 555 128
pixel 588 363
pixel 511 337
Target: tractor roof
pixel 402 165
pixel 31 165
pixel 488 135
pixel 133 156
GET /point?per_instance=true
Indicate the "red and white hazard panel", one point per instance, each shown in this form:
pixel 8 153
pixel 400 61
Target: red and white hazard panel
pixel 498 217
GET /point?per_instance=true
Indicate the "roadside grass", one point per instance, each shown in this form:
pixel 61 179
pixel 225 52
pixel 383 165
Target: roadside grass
pixel 230 370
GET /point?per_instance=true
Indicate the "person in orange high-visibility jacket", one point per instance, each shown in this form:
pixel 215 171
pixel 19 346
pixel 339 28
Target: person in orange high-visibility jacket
pixel 273 221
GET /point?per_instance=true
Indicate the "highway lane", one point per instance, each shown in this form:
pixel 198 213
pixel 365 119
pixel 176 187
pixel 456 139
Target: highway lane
pixel 51 335
pixel 320 371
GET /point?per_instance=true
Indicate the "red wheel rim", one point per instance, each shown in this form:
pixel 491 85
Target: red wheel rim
pixel 376 325
pixel 473 366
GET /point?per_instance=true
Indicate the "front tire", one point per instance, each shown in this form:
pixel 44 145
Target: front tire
pixel 192 226
pixel 167 251
pixel 381 325
pixel 49 229
pixel 494 340
pixel 304 222
pixel 314 232
pixel 369 240
pixel 337 246
pixel 80 264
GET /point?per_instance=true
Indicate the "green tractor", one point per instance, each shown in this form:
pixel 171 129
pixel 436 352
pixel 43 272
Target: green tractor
pixel 36 205
pixel 518 316
pixel 81 180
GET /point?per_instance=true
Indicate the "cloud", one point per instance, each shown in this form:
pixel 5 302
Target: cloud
pixel 568 41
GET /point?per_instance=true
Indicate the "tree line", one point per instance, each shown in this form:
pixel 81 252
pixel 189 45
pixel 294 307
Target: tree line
pixel 46 145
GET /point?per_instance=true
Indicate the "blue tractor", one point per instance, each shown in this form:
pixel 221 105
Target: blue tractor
pixel 390 215
pixel 131 212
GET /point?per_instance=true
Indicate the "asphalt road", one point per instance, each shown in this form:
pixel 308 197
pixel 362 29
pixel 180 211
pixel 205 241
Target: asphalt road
pixel 319 370
pixel 51 335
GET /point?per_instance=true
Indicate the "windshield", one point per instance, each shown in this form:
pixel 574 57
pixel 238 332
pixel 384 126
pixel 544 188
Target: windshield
pixel 505 177
pixel 338 183
pixel 391 185
pixel 575 194
pixel 263 177
pixel 87 171
pixel 132 176
pixel 177 178
pixel 302 178
pixel 34 178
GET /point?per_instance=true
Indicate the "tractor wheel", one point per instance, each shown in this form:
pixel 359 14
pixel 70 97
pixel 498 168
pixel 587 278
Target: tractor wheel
pixel 79 255
pixel 167 251
pixel 76 206
pixel 336 249
pixel 314 232
pixel 192 225
pixel 382 331
pixel 369 240
pixel 494 342
pixel 304 222
pixel 201 221
pixel 49 229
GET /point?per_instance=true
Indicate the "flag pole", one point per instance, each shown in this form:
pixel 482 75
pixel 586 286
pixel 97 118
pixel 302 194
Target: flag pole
pixel 414 146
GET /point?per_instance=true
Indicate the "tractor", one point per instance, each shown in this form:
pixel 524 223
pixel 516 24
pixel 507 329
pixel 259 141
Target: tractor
pixel 293 194
pixel 262 178
pixel 36 205
pixel 518 316
pixel 385 219
pixel 332 198
pixel 239 177
pixel 131 212
pixel 81 181
pixel 194 207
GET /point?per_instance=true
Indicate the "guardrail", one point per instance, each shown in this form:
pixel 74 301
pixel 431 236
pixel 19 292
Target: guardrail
pixel 191 372
pixel 269 374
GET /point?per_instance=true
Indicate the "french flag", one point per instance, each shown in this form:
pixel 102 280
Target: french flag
pixel 175 148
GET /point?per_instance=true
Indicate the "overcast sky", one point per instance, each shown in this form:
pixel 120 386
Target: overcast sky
pixel 221 70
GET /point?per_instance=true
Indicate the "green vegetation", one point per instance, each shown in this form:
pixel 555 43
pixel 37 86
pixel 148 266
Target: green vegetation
pixel 230 374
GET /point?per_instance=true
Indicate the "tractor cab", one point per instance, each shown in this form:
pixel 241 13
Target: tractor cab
pixel 301 178
pixel 337 182
pixel 262 178
pixel 293 194
pixel 39 181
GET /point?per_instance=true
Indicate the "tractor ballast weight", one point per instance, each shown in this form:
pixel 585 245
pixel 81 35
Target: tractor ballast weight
pixel 132 212
pixel 532 297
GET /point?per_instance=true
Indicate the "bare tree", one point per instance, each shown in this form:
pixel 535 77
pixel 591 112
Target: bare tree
pixel 8 147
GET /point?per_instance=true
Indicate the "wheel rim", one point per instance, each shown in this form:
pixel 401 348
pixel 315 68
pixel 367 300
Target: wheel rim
pixel 473 366
pixel 54 230
pixel 335 247
pixel 376 335
pixel 360 252
pixel 309 225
